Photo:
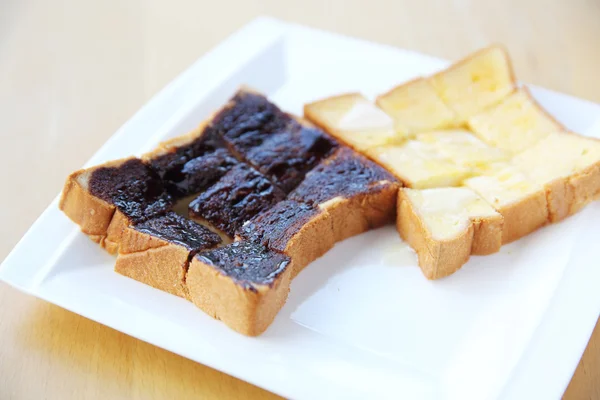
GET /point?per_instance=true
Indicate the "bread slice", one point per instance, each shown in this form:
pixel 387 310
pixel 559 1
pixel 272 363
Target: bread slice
pixel 445 226
pixel 520 200
pixel 416 107
pixel 157 251
pixel 353 120
pixel 298 230
pixel 104 199
pixel 464 148
pixel 242 284
pixel 515 124
pixel 476 83
pixel 357 194
pixel 420 165
pixel 568 165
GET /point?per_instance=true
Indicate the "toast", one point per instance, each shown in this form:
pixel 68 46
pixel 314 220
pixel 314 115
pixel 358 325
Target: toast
pixel 445 226
pixel 464 149
pixel 520 200
pixel 420 165
pixel 103 200
pixel 515 124
pixel 416 107
pixel 353 120
pixel 157 251
pixel 571 183
pixel 357 194
pixel 477 82
pixel 300 231
pixel 242 284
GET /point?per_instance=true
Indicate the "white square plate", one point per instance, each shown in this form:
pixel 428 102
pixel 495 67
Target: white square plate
pixel 361 322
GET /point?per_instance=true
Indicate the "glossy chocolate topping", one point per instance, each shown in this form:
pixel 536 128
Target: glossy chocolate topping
pixel 273 228
pixel 288 156
pixel 247 263
pixel 201 172
pixel 344 174
pixel 134 188
pixel 241 194
pixel 170 165
pixel 174 228
pixel 248 121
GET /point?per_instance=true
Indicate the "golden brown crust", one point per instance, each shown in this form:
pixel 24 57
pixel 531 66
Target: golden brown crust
pixel 568 195
pixel 487 235
pixel 525 216
pixel 586 187
pixel 437 259
pixel 162 267
pixel 93 215
pixel 314 239
pixel 360 213
pixel 440 258
pixel 244 310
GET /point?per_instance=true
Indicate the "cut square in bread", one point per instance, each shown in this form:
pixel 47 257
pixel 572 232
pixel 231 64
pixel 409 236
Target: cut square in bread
pixel 246 121
pixel 515 124
pixel 520 200
pixel 420 165
pixel 282 147
pixel 285 158
pixel 170 157
pixel 157 251
pixel 104 199
pixel 357 194
pixel 416 107
pixel 298 230
pixel 353 120
pixel 242 284
pixel 476 83
pixel 568 165
pixel 188 167
pixel 445 226
pixel 463 148
pixel 234 199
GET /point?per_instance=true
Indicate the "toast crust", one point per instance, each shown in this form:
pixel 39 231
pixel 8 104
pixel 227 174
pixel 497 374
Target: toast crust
pixel 244 310
pixel 567 195
pixel 362 212
pixel 313 240
pixel 524 217
pixel 440 258
pixel 437 259
pixel 93 215
pixel 162 267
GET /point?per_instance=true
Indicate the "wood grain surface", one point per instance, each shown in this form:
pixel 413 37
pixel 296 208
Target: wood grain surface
pixel 72 71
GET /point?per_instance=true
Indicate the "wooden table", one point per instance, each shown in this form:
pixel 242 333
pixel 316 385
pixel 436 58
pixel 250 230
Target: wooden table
pixel 71 72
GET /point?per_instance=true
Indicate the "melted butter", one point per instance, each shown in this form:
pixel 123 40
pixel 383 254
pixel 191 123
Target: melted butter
pixel 399 254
